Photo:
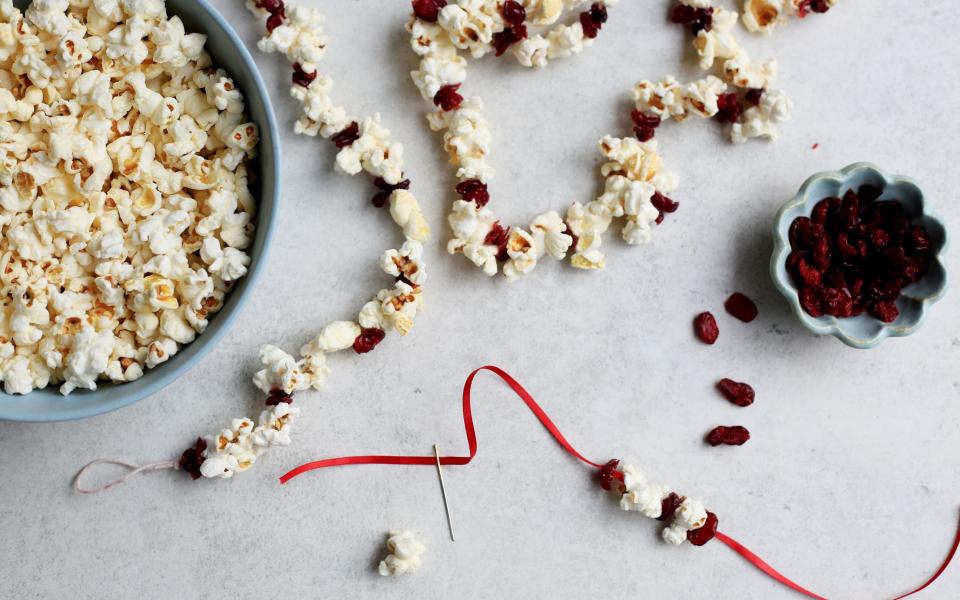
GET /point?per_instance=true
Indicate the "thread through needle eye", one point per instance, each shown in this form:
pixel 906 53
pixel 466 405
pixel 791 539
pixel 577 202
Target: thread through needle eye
pixel 443 491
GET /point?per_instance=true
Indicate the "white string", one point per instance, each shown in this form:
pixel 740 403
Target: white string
pixel 134 471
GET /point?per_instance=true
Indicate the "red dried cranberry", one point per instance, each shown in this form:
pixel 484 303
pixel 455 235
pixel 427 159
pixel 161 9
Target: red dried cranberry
pixel 663 203
pixel 514 13
pixel 754 96
pixel 276 20
pixel 699 537
pixel 741 307
pixel 919 240
pixel 669 505
pixel 645 134
pixel 592 20
pixel 699 19
pixel 368 339
pixel 192 458
pixel 386 190
pixel 569 231
pixel 836 302
pixel 730 436
pixel 428 10
pixel 447 98
pixel 302 78
pixel 502 40
pixel 279 396
pixel 729 108
pixel 705 325
pixel 810 301
pixel 474 190
pixel 610 475
pixel 818 6
pixel 738 393
pixel 498 237
pixel 800 233
pixel 885 311
pixel 642 119
pixel 810 276
pixel 348 136
pixel 271 6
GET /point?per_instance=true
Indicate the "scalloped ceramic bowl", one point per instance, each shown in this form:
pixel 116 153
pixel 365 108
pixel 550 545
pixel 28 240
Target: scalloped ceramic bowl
pixel 229 52
pixel 864 331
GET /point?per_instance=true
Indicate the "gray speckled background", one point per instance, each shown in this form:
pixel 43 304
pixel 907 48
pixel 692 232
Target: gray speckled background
pixel 851 483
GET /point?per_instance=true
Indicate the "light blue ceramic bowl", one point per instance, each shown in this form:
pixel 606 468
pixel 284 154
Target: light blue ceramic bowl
pixel 228 52
pixel 863 331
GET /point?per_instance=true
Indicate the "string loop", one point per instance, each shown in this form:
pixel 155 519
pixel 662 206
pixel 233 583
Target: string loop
pixel 134 471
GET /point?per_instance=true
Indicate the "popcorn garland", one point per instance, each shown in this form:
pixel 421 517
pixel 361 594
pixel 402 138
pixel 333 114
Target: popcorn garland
pixel 636 186
pixel 364 145
pixel 124 199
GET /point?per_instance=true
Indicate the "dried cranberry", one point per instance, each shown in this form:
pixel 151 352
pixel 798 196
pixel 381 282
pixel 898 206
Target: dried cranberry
pixel 569 231
pixel 447 98
pixel 192 458
pixel 699 19
pixel 474 190
pixel 642 119
pixel 498 237
pixel 754 96
pixel 348 136
pixel 301 77
pixel 279 396
pixel 705 325
pixel 729 108
pixel 592 20
pixel 800 233
pixel 502 40
pixel 271 6
pixel 386 190
pixel 664 204
pixel 810 301
pixel 730 436
pixel 669 505
pixel 919 240
pixel 428 10
pixel 885 311
pixel 276 20
pixel 368 339
pixel 699 537
pixel 741 307
pixel 740 394
pixel 610 475
pixel 809 275
pixel 514 13
pixel 645 134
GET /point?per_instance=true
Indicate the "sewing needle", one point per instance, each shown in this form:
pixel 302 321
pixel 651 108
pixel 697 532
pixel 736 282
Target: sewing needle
pixel 443 490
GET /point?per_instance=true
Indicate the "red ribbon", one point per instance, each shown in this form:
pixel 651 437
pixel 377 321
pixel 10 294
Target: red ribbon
pixel 524 395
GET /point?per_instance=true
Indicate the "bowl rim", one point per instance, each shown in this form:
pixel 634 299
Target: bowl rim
pixel 160 380
pixel 832 325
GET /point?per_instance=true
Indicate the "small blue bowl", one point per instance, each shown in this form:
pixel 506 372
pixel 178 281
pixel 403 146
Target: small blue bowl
pixel 229 52
pixel 863 331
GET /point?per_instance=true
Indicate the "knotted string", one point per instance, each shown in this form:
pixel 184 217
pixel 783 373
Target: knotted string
pixel 134 471
pixel 524 395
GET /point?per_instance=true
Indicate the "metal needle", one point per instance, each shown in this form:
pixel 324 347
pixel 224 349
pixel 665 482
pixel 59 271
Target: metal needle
pixel 443 490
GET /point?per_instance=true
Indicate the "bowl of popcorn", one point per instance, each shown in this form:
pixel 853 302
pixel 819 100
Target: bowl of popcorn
pixel 138 165
pixel 859 255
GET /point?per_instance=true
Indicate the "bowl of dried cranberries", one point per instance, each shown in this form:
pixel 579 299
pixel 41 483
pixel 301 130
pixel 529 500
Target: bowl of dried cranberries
pixel 858 254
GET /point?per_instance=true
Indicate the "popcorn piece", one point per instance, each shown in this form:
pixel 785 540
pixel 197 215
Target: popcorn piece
pixel 404 556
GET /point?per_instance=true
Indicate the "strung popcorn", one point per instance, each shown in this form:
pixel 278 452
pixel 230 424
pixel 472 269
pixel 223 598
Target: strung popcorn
pixel 753 112
pixel 404 556
pixel 363 146
pixel 766 15
pixel 636 184
pixel 686 518
pixel 123 190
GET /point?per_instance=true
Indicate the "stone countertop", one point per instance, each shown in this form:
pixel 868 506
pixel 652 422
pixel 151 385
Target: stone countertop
pixel 851 483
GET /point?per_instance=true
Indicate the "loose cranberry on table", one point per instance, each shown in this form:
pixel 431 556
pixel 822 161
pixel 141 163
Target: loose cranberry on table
pixel 705 326
pixel 728 436
pixel 856 254
pixel 741 307
pixel 741 394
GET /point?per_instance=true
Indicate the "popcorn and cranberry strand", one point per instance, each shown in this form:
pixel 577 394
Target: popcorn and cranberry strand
pixel 687 519
pixel 364 145
pixel 636 186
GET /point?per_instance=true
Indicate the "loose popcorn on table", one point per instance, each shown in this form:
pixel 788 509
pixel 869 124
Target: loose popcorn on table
pixel 124 199
pixel 405 552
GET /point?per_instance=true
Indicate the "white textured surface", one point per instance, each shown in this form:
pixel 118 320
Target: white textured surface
pixel 851 483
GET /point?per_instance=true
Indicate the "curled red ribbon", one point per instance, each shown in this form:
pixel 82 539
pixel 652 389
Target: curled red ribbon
pixel 545 420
